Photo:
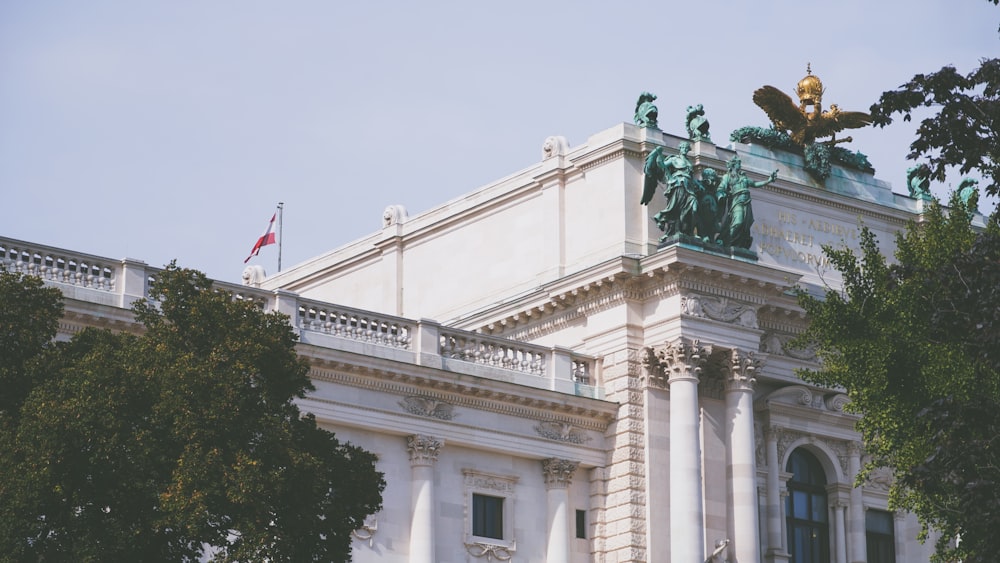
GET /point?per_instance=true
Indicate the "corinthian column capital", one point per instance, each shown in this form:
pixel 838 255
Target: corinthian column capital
pixel 680 360
pixel 423 449
pixel 742 369
pixel 558 472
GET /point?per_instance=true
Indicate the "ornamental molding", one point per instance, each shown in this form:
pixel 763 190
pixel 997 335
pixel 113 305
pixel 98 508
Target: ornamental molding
pixel 802 396
pixel 491 551
pixel 458 394
pixel 722 309
pixel 561 309
pixel 561 432
pixel 798 193
pixel 879 479
pixel 777 344
pixel 838 448
pixel 429 407
pixel 481 480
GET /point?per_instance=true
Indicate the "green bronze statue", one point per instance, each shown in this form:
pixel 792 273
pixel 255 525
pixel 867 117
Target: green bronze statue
pixel 734 202
pixel 918 182
pixel 676 172
pixel 697 124
pixel 645 111
pixel 968 191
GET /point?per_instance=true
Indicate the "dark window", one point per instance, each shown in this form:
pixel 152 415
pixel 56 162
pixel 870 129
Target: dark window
pixel 880 538
pixel 805 510
pixel 487 516
pixel 581 524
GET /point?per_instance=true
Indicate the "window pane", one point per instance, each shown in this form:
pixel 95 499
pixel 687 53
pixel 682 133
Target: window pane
pixel 800 504
pixel 818 508
pixel 878 521
pixel 487 516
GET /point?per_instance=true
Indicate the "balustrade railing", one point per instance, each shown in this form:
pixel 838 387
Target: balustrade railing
pixel 58 265
pixel 128 280
pixel 495 352
pixel 355 324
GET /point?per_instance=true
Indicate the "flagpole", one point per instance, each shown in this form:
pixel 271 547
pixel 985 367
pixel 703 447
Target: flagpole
pixel 281 239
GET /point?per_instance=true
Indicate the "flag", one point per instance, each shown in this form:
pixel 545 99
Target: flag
pixel 267 238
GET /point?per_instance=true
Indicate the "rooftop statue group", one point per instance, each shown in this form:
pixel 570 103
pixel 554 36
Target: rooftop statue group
pixel 714 209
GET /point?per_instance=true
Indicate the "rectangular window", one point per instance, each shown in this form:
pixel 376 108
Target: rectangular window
pixel 581 524
pixel 489 513
pixel 880 537
pixel 487 516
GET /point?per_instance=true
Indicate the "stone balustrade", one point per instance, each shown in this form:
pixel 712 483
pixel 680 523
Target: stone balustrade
pixel 58 265
pixel 354 324
pixel 118 283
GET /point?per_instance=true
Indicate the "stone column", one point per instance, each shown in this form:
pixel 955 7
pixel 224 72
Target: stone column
pixel 558 473
pixel 856 515
pixel 423 453
pixel 741 467
pixel 683 361
pixel 775 539
pixel 899 536
pixel 839 538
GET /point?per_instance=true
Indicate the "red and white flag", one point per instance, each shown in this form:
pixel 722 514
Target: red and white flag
pixel 267 238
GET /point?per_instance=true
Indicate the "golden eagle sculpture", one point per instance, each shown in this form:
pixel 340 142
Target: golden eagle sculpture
pixel 807 121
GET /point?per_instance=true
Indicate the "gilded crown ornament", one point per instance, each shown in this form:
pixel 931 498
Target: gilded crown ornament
pixel 806 122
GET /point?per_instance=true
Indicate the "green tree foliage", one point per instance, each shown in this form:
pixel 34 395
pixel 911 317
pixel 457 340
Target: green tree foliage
pixel 916 346
pixel 965 133
pixel 29 317
pixel 175 444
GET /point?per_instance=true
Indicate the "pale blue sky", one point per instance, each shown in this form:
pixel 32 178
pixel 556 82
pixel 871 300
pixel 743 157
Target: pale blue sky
pixel 159 130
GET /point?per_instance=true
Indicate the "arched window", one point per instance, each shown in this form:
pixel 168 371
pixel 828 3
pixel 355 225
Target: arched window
pixel 805 510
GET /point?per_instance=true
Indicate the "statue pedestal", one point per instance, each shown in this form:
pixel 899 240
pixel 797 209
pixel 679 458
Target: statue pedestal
pixel 696 243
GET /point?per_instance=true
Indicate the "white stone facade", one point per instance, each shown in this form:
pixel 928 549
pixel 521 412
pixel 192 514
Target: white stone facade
pixel 586 381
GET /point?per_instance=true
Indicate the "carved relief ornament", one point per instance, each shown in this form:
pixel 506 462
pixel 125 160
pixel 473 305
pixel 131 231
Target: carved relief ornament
pixel 423 449
pixel 561 432
pixel 558 473
pixel 429 407
pixel 681 359
pixel 719 309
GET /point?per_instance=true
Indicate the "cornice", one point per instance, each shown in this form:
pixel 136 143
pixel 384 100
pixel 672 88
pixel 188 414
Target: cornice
pixel 481 395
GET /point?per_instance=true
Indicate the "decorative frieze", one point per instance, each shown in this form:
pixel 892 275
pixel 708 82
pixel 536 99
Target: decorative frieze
pixel 558 473
pixel 489 482
pixel 490 551
pixel 429 407
pixel 423 449
pixel 777 344
pixel 561 432
pixel 720 309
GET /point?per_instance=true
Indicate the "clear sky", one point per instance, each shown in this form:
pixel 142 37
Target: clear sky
pixel 170 129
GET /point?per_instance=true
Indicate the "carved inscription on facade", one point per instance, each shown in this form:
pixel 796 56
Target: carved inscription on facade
pixel 798 239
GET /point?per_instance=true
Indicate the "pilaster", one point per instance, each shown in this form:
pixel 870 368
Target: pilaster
pixel 558 474
pixel 423 452
pixel 741 470
pixel 680 363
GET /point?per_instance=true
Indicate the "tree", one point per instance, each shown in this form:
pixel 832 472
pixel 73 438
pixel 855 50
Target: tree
pixel 916 346
pixel 965 133
pixel 29 318
pixel 178 443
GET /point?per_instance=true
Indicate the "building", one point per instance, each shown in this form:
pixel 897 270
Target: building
pixel 581 394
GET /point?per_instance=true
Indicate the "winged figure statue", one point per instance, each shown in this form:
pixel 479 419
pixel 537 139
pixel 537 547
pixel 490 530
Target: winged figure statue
pixel 806 121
